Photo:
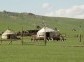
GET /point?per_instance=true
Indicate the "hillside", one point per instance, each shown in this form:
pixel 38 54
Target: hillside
pixel 16 21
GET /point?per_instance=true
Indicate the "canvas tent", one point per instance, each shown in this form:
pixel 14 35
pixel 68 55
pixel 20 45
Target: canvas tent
pixel 45 31
pixel 8 34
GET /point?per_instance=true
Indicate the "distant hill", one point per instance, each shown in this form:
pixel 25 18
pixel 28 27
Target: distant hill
pixel 16 21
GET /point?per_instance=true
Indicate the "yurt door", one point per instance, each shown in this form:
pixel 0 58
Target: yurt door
pixel 8 36
pixel 48 35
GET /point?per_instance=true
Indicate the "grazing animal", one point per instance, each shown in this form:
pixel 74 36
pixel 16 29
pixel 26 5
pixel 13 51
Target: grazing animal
pixel 55 37
pixel 58 37
pixel 62 38
pixel 35 38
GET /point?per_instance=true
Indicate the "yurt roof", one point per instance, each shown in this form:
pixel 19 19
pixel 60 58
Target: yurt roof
pixel 46 29
pixel 8 32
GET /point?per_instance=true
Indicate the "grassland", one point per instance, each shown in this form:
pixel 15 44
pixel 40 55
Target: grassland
pixel 71 50
pixel 67 51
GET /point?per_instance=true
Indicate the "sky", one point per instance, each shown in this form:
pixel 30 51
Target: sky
pixel 51 8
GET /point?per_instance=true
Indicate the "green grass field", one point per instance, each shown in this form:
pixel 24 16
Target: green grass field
pixel 35 53
pixel 71 50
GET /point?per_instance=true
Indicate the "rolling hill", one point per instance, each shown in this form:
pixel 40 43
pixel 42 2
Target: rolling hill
pixel 16 21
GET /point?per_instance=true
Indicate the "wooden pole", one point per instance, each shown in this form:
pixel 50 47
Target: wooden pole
pixel 45 31
pixel 80 37
pixel 10 41
pixel 22 36
pixel 45 36
pixel 1 40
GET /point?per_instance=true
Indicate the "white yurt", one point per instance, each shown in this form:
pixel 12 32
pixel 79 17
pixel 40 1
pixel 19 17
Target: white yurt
pixel 46 31
pixel 8 34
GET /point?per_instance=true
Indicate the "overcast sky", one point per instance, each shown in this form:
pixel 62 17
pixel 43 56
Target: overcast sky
pixel 56 8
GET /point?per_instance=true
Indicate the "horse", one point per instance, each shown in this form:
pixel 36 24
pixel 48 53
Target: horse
pixel 58 37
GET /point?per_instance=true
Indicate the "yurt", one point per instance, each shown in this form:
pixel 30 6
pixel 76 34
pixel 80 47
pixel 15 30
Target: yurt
pixel 45 31
pixel 8 34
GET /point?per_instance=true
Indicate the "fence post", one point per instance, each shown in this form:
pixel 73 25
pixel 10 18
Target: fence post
pixel 1 41
pixel 22 36
pixel 80 38
pixel 45 36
